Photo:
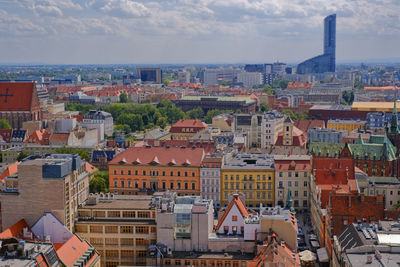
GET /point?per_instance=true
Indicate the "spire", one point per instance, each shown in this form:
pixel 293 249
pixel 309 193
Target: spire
pixel 394 125
pixel 289 201
pixel 359 140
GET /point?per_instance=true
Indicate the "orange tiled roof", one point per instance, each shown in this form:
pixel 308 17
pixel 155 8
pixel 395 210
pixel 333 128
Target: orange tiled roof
pixel 72 250
pixel 15 230
pixel 90 168
pixel 239 204
pixel 59 137
pixel 9 171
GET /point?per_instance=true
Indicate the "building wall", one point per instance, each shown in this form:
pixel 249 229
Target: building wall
pixel 256 190
pixel 270 130
pixel 123 179
pixel 345 126
pixel 295 181
pixel 229 223
pixel 284 229
pixel 120 241
pixel 210 186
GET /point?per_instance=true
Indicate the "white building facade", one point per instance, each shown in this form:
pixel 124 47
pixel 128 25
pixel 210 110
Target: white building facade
pixel 271 126
pixel 210 176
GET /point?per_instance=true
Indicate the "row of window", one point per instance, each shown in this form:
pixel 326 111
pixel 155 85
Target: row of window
pixel 114 229
pixel 210 181
pixel 210 189
pixel 249 195
pixel 296 193
pixel 248 186
pixel 296 174
pixel 155 173
pixel 211 263
pixel 290 183
pixel 116 214
pixel 123 241
pixel 237 176
pixel 164 185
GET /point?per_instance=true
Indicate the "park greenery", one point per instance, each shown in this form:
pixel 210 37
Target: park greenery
pixel 4 124
pixel 99 182
pixel 84 154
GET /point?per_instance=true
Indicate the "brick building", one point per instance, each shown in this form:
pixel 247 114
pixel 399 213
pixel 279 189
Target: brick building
pixel 145 169
pixel 19 102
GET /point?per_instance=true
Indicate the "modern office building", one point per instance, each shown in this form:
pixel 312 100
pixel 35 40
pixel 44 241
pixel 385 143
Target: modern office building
pixel 149 74
pixel 250 79
pixel 327 61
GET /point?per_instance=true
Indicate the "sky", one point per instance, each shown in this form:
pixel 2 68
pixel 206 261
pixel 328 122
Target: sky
pixel 194 31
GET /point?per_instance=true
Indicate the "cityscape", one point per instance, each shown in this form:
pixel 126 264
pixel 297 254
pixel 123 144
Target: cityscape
pixel 184 156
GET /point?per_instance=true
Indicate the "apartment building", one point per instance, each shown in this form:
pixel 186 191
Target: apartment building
pixel 56 183
pixel 251 174
pixel 152 169
pixel 120 227
pixel 271 126
pixel 292 173
pixel 210 176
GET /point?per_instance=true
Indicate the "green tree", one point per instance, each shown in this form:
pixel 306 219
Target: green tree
pixel 162 122
pixel 166 81
pixel 4 124
pixel 269 90
pixel 97 185
pixel 196 113
pixel 21 155
pixel 123 98
pixel 280 83
pixel 124 128
pixel 71 150
pixel 264 107
pixel 290 113
pixel 83 108
pixel 210 114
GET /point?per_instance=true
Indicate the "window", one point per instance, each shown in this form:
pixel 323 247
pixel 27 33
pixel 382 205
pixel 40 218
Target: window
pixel 115 171
pixel 144 172
pixel 290 174
pixel 127 253
pixel 115 183
pixel 186 174
pixel 113 214
pixel 305 174
pixel 193 186
pixel 179 173
pixel 305 204
pixel 193 174
pixel 144 184
pixel 126 241
pixel 111 229
pixel 141 253
pixel 142 229
pixel 163 173
pixel 111 253
pixel 136 184
pixel 81 228
pixel 296 203
pixel 171 186
pixel 129 172
pixel 122 183
pixel 226 177
pixel 231 176
pixel 280 174
pixel 111 241
pixel 296 193
pixel 296 183
pixel 128 214
pixel 305 193
pixel 96 241
pixel 237 178
pixel 96 229
pixel 122 172
pixel 126 229
pixel 136 172
pixel 289 183
pixel 164 185
pixel 296 174
pixel 143 214
pixel 141 241
pixel 234 218
pixel 280 184
pixel 130 184
pixel 226 229
pixel 186 186
pixel 258 178
pixel 305 183
pixel 171 174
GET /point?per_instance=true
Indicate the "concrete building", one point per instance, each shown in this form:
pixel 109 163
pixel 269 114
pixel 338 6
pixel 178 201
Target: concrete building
pixel 251 174
pixel 292 173
pixel 38 185
pixel 120 227
pixel 325 135
pixel 210 176
pixel 250 79
pixel 184 223
pixel 100 117
pixel 271 126
pixel 214 76
pixel 184 77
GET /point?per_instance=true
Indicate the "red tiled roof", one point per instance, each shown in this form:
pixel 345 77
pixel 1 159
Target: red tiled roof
pixel 19 96
pixel 332 170
pixel 90 168
pixel 9 170
pixel 306 125
pixel 239 204
pixel 287 165
pixel 59 137
pixel 208 146
pixel 196 124
pixel 15 230
pixel 71 250
pixel 164 155
pixel 299 138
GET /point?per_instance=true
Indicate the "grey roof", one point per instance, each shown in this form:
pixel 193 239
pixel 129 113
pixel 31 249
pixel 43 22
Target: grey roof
pixel 349 238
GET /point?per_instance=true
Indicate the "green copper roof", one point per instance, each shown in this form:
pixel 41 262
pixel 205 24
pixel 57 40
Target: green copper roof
pixel 329 150
pixel 248 100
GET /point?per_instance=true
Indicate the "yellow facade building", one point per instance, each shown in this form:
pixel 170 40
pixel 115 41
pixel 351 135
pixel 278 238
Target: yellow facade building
pixel 345 125
pixel 251 174
pixel 373 106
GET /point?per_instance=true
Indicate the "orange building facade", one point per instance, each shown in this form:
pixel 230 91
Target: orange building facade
pixel 153 169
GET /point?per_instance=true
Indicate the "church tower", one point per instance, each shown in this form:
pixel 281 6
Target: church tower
pixel 288 131
pixel 393 131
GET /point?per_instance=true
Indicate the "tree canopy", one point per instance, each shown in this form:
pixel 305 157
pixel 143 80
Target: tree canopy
pixel 71 150
pixel 99 182
pixel 4 124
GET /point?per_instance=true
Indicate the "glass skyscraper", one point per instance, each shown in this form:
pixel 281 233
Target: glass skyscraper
pixel 327 61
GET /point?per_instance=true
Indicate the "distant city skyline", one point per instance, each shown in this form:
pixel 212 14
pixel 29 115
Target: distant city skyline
pixel 193 31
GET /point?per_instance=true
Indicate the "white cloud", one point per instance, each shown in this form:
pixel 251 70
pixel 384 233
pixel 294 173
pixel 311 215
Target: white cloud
pixel 120 8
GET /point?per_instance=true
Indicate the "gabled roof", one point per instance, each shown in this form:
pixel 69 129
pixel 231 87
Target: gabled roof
pixel 15 230
pixel 239 204
pixel 197 124
pixel 90 168
pixel 11 169
pixel 162 156
pixel 59 137
pixel 306 125
pixel 72 250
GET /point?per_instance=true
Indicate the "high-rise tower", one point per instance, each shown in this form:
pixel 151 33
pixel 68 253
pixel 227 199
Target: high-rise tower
pixel 327 61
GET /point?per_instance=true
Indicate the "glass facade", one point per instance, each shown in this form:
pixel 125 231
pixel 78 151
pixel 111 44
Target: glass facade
pixel 327 61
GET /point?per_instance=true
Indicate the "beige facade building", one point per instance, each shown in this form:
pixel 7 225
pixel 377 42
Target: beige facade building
pixel 292 173
pixel 120 227
pixel 57 184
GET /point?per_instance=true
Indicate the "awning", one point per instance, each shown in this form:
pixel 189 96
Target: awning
pixel 322 255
